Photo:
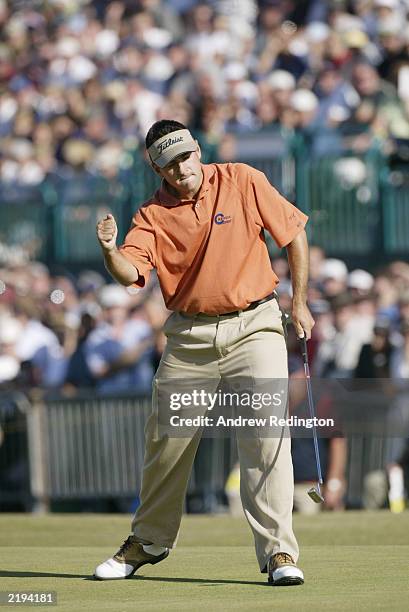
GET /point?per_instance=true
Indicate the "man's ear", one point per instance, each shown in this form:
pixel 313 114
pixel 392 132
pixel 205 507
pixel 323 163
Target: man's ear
pixel 154 166
pixel 199 150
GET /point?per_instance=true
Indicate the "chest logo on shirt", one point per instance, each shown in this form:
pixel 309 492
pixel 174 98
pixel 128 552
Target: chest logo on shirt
pixel 221 219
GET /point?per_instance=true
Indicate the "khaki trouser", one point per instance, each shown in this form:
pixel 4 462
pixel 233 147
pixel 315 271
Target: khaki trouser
pixel 203 347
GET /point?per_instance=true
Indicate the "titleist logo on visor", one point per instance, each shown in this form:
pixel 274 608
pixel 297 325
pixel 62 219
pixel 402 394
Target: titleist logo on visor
pixel 166 143
pixel 164 149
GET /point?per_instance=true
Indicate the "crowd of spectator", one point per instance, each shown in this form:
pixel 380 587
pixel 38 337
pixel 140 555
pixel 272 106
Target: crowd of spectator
pixel 82 80
pixel 65 333
pixel 69 334
pixel 72 332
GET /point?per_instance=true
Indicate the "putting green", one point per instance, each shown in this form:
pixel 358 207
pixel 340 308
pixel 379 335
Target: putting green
pixel 351 561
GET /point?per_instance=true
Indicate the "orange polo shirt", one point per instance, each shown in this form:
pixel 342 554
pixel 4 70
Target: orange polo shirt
pixel 210 253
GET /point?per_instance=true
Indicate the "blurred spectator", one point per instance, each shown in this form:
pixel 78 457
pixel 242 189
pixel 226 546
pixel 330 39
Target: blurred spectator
pixel 334 91
pixel 317 257
pixel 281 84
pixel 334 275
pixel 55 335
pixel 386 294
pixel 338 354
pixel 370 86
pixel 118 352
pixel 82 83
pixel 375 357
pixel 79 374
pixel 38 345
pixel 58 332
pixel 360 282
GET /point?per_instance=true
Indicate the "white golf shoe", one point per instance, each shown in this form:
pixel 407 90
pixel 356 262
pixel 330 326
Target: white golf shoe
pixel 130 557
pixel 282 571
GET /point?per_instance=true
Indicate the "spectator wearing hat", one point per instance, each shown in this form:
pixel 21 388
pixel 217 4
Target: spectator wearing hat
pixel 281 84
pixel 334 277
pixel 360 282
pixel 385 9
pixel 304 107
pixel 360 285
pixel 392 42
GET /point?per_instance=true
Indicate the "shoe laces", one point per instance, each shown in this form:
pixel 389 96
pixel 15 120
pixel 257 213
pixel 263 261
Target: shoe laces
pixel 125 545
pixel 283 558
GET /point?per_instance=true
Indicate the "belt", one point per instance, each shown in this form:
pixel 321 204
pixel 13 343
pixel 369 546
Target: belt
pixel 252 306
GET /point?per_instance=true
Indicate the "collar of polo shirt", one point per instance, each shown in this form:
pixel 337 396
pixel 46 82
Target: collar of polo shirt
pixel 165 198
pixel 167 147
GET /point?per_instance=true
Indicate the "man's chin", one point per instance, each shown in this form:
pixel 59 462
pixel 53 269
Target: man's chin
pixel 185 188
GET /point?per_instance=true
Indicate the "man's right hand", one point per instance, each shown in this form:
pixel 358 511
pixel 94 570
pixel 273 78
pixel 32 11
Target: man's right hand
pixel 107 233
pixel 117 265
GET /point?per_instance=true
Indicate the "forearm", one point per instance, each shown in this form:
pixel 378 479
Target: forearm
pixel 337 459
pixel 297 252
pixel 119 267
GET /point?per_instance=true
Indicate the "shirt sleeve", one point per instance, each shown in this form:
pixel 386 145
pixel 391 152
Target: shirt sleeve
pixel 139 246
pixel 278 216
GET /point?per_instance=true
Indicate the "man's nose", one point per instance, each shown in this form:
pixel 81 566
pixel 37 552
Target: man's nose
pixel 181 166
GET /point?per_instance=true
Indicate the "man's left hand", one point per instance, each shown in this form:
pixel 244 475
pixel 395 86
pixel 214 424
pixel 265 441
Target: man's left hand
pixel 302 320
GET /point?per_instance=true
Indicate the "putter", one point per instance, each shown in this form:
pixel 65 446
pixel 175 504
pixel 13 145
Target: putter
pixel 314 492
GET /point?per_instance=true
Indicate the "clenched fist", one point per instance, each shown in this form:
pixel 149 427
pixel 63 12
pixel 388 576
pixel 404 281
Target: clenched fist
pixel 107 233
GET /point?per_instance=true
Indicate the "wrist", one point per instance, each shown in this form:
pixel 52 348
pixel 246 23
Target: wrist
pixel 299 302
pixel 334 484
pixel 110 251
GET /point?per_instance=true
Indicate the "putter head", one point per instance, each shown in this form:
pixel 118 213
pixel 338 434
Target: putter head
pixel 316 495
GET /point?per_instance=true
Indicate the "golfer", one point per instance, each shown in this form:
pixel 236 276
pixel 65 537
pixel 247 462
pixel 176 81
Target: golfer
pixel 202 231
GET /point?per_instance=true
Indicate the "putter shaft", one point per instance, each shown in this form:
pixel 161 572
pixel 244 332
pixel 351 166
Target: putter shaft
pixel 315 492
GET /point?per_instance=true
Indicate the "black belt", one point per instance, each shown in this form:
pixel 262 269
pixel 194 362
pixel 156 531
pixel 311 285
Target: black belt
pixel 252 306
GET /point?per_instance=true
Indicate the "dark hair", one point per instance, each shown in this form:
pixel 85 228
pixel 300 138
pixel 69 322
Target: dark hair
pixel 161 128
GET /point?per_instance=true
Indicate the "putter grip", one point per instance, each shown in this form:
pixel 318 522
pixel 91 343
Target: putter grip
pixel 303 345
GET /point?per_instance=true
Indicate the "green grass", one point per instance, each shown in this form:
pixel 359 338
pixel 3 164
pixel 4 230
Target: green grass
pixel 351 561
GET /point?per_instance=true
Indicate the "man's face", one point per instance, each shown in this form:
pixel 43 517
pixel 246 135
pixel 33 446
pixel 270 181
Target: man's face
pixel 365 79
pixel 115 315
pixel 183 173
pixel 328 81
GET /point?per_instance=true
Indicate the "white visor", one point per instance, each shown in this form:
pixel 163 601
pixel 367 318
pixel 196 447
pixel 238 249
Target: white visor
pixel 166 148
